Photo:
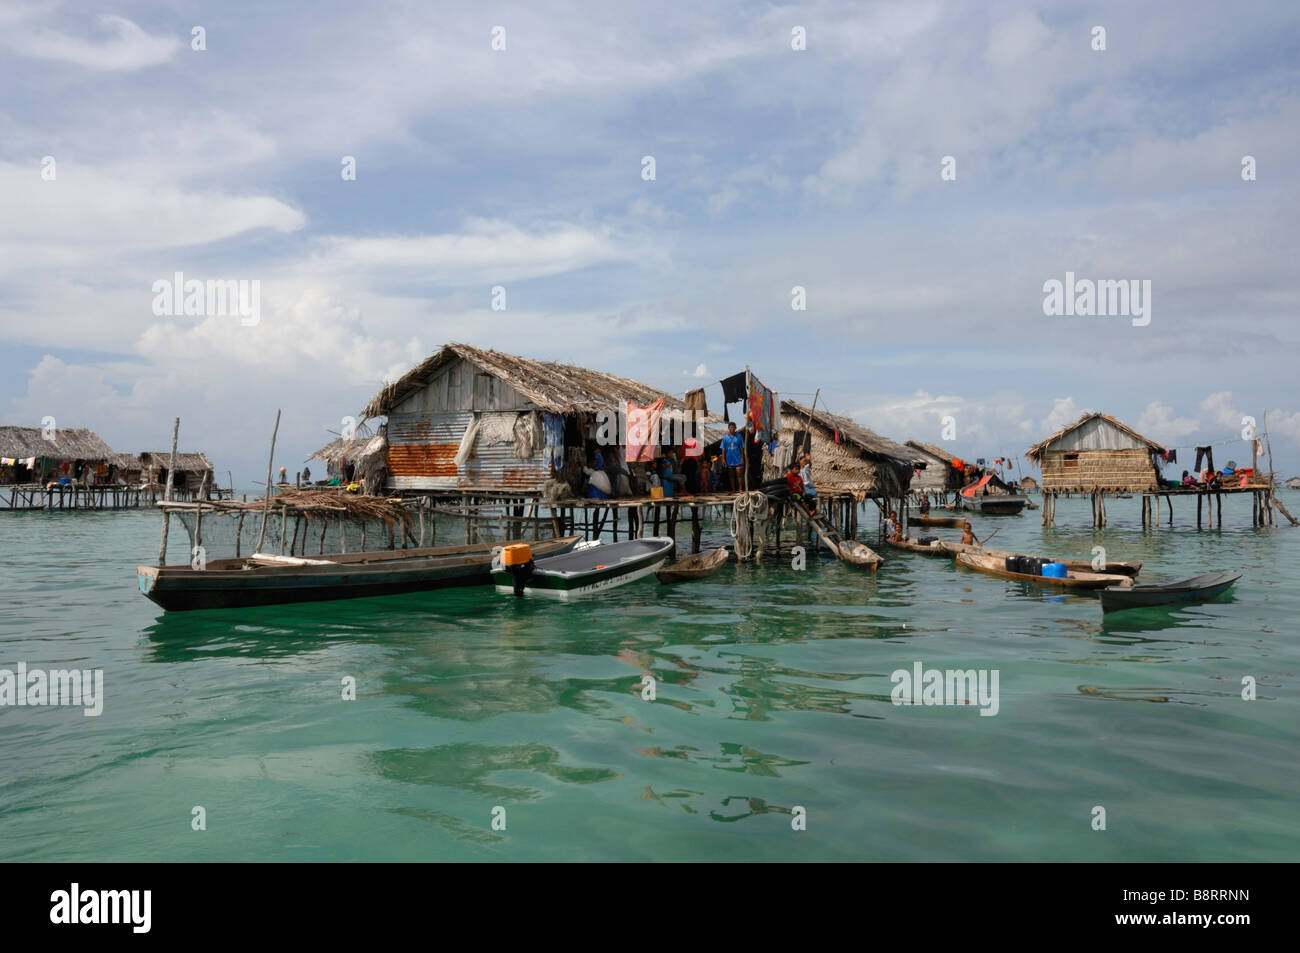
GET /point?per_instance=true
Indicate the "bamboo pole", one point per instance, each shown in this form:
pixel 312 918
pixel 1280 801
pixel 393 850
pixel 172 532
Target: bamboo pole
pixel 266 503
pixel 167 516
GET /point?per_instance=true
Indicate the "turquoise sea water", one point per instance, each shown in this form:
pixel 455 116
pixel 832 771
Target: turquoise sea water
pixel 773 693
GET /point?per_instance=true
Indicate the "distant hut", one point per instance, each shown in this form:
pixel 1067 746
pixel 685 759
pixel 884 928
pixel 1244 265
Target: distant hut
pixel 1096 455
pixel 35 455
pixel 362 457
pixel 191 470
pixel 1028 484
pixel 469 420
pixel 846 456
pixel 1293 483
pixel 939 477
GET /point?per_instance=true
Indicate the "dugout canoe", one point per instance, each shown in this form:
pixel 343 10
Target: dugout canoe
pixel 693 567
pixel 1196 589
pixel 949 521
pixel 1075 565
pixel 996 566
pixel 264 579
pixel 911 546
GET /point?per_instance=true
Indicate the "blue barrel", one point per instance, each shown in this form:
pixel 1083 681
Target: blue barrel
pixel 1054 570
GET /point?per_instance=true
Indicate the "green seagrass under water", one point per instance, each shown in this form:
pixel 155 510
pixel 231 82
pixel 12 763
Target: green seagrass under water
pixel 773 692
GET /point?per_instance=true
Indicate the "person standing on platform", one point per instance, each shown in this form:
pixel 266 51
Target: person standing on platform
pixel 733 457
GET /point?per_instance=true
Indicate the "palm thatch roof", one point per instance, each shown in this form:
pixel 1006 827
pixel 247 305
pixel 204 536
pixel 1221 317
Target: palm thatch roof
pixel 66 443
pixel 184 461
pixel 353 449
pixel 1036 452
pixel 556 388
pixel 930 450
pixel 872 445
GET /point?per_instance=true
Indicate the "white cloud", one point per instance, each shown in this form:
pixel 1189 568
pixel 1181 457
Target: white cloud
pixel 119 45
pixel 1159 423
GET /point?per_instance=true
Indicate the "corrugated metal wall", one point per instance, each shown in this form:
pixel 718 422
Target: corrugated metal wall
pixel 422 449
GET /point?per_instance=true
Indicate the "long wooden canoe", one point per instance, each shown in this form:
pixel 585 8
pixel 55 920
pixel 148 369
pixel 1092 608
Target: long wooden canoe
pixel 996 566
pixel 260 580
pixel 1074 565
pixel 911 546
pixel 936 520
pixel 696 566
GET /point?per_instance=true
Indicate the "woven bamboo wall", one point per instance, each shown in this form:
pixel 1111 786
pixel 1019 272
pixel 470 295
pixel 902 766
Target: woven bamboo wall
pixel 1119 471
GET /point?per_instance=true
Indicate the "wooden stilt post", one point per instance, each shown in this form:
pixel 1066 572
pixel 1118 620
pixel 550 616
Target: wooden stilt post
pixel 266 503
pixel 167 516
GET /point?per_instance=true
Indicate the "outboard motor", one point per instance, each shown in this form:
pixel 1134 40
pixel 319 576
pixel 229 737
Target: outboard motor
pixel 518 561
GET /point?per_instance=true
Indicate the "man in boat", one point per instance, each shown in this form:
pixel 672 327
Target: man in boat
pixel 925 506
pixel 733 453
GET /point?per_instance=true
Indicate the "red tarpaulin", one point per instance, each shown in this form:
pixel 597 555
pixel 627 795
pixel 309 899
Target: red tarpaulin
pixel 970 490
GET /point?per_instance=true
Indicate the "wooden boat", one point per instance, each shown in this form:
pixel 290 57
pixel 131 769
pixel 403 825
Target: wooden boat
pixel 263 579
pixel 858 554
pixel 847 550
pixel 1196 589
pixel 586 571
pixel 696 566
pixel 994 505
pixel 911 546
pixel 996 566
pixel 1075 565
pixel 936 520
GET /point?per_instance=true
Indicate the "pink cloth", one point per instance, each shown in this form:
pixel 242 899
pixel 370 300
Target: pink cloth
pixel 643 431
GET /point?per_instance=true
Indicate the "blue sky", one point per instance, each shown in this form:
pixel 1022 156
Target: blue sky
pixel 522 168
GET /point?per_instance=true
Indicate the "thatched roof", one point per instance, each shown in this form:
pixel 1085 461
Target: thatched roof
pixel 870 443
pixel 353 449
pixel 68 443
pixel 1035 452
pixel 184 461
pixel 556 388
pixel 930 450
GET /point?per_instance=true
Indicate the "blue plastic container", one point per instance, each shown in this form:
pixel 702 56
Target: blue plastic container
pixel 1054 570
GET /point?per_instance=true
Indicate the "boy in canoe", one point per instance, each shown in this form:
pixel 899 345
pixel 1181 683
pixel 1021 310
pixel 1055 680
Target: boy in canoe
pixel 968 535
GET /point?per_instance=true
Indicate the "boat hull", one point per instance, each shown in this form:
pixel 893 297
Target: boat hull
pixel 994 505
pixel 1075 580
pixel 700 566
pixel 1197 589
pixel 354 576
pixel 551 581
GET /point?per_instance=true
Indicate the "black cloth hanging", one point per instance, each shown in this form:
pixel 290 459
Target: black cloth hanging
pixel 733 388
pixel 1208 453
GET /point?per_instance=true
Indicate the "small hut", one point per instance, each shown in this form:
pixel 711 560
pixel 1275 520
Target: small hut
pixel 1096 455
pixel 473 421
pixel 191 470
pixel 846 456
pixel 1028 484
pixel 35 455
pixel 939 477
pixel 361 458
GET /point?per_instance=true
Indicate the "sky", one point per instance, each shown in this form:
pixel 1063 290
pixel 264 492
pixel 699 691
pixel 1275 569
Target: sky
pixel 921 170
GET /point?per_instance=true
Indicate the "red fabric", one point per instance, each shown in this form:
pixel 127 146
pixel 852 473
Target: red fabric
pixel 970 490
pixel 795 482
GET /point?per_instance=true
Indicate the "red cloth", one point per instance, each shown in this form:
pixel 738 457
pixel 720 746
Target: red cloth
pixel 643 431
pixel 795 482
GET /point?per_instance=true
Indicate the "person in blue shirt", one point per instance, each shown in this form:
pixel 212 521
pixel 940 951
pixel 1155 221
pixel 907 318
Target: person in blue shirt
pixel 733 457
